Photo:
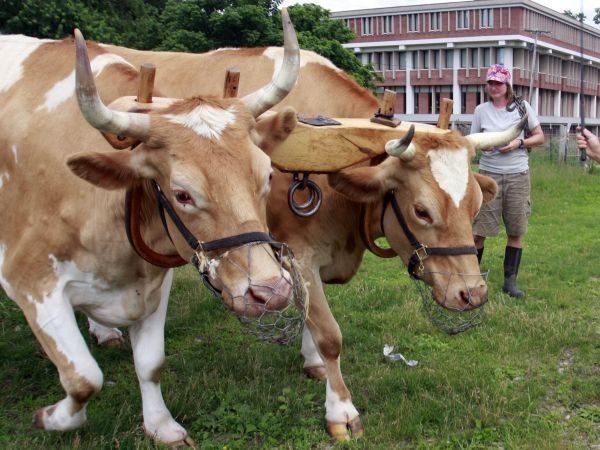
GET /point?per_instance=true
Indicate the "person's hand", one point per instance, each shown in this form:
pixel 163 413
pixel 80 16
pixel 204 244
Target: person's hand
pixel 589 142
pixel 512 145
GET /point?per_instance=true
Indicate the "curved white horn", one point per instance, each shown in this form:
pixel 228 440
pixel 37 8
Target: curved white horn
pixel 402 148
pixel 486 141
pixel 95 112
pixel 260 101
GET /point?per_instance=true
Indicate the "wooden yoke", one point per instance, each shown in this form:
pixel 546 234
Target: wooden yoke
pixel 144 98
pixel 232 81
pixel 385 115
pixel 445 112
pixel 325 149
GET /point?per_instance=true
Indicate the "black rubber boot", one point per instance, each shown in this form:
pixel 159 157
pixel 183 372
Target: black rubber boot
pixel 479 254
pixel 512 260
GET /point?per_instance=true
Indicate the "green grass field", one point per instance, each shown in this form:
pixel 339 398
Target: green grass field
pixel 527 378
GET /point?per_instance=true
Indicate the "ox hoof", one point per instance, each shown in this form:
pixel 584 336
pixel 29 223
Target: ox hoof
pixel 113 343
pixel 316 372
pixel 343 431
pixel 38 419
pixel 186 442
pixel 56 418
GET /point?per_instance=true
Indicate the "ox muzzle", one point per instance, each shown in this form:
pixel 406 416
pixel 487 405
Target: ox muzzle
pixel 450 319
pixel 278 318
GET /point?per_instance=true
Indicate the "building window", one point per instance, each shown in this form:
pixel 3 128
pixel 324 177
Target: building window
pixel 474 58
pixel 435 59
pixel 388 24
pixel 367 26
pixel 487 57
pixel 463 58
pixel 462 20
pixel 413 22
pixel 449 59
pixel 424 58
pixel 486 18
pixel 500 55
pixel 402 61
pixel 435 21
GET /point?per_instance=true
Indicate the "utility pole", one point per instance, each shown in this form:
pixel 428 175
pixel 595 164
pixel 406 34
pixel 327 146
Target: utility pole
pixel 536 33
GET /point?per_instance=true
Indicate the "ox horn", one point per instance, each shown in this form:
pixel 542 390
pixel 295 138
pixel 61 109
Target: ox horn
pixel 95 112
pixel 402 148
pixel 260 101
pixel 487 141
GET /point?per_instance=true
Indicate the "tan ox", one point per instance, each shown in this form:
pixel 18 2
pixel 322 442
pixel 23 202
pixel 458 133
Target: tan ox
pixel 63 244
pixel 430 179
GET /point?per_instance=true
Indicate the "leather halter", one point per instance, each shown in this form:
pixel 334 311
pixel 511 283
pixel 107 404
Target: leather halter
pixel 420 251
pixel 132 225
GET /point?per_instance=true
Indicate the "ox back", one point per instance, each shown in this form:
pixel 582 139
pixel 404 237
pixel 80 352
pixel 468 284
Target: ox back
pixel 322 88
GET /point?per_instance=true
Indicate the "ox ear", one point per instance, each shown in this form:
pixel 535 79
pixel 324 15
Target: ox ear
pixel 115 170
pixel 488 186
pixel 274 128
pixel 361 184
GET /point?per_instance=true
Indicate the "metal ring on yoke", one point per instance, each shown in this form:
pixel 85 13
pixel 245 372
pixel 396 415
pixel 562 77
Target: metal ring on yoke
pixel 312 205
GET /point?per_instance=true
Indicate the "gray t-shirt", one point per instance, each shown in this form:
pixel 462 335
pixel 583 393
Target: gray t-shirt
pixel 489 118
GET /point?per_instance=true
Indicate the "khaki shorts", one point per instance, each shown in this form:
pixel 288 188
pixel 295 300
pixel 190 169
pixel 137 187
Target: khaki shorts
pixel 512 205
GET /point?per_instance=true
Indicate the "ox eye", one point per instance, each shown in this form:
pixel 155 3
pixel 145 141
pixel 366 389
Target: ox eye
pixel 422 214
pixel 183 197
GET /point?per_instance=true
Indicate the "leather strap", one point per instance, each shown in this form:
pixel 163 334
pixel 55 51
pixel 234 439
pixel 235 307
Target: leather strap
pixel 133 206
pixel 364 229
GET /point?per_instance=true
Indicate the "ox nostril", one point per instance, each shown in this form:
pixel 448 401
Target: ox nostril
pixel 478 295
pixel 274 293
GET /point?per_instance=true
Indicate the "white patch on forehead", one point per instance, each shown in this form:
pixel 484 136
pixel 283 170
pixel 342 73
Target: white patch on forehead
pixel 205 120
pixel 276 54
pixel 4 176
pixel 450 168
pixel 14 50
pixel 3 281
pixel 14 151
pixel 64 89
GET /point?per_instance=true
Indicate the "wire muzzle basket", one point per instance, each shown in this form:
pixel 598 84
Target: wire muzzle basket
pixel 280 319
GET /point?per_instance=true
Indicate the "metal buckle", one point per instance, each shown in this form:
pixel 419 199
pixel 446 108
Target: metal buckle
pixel 422 255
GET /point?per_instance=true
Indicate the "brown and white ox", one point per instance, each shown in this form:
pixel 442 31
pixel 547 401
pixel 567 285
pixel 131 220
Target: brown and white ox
pixel 430 178
pixel 63 244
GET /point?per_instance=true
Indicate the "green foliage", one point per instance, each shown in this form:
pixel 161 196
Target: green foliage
pixel 580 16
pixel 187 26
pixel 318 33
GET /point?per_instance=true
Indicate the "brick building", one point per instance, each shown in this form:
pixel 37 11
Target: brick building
pixel 429 52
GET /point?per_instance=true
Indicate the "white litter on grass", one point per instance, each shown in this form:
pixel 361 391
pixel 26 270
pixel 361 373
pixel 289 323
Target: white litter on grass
pixel 395 357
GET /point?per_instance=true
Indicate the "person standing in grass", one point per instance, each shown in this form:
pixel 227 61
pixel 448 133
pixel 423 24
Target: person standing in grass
pixel 589 142
pixel 509 166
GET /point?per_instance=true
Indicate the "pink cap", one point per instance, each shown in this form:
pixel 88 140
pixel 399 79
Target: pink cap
pixel 498 72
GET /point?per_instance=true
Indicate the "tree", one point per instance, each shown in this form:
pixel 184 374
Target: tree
pixel 317 32
pixel 580 17
pixel 188 26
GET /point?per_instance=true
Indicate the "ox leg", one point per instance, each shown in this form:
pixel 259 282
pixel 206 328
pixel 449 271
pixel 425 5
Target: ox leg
pixel 53 323
pixel 105 336
pixel 148 343
pixel 313 364
pixel 340 414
